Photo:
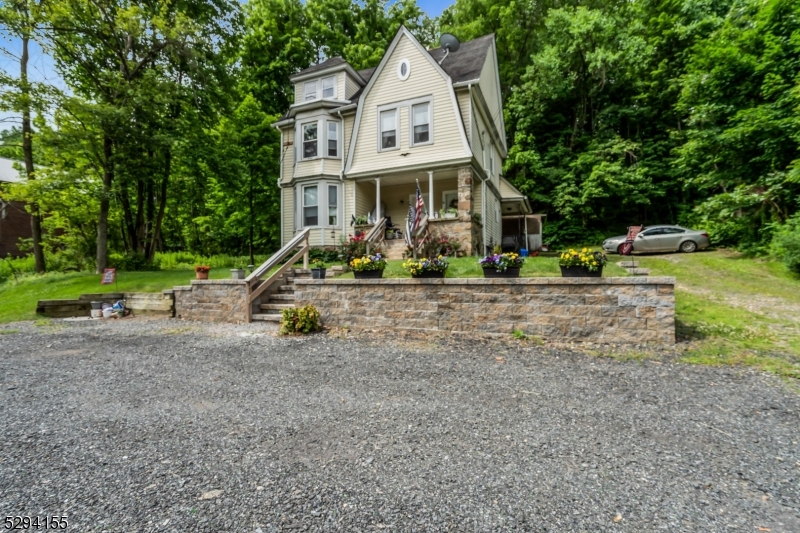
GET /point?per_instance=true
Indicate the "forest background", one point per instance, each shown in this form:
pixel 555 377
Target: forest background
pixel 617 113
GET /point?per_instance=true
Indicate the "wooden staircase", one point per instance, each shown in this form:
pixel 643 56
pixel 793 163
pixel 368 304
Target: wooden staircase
pixel 280 297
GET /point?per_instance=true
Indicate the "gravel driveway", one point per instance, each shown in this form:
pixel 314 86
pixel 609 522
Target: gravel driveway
pixel 147 425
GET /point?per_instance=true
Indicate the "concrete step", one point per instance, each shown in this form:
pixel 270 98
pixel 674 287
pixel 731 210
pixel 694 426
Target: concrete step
pixel 266 317
pixel 638 271
pixel 282 297
pixel 287 288
pixel 275 307
pixel 628 264
pixel 394 249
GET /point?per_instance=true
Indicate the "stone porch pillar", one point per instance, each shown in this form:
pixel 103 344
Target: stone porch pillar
pixel 465 193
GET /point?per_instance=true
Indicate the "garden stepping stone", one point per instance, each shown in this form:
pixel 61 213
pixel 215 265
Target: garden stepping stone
pixel 628 264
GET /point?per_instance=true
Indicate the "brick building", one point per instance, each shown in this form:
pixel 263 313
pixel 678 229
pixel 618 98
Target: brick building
pixel 15 222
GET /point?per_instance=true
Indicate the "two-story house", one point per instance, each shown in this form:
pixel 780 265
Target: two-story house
pixel 356 143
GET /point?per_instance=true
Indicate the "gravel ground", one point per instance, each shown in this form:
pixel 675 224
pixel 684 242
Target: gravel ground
pixel 148 425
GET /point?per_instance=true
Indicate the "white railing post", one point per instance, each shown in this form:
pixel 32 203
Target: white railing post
pixel 305 255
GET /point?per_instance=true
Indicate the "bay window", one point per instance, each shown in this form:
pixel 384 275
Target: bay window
pixel 333 139
pixel 320 204
pixel 310 206
pixel 309 140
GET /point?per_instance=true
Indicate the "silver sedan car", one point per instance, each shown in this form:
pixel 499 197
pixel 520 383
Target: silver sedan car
pixel 662 239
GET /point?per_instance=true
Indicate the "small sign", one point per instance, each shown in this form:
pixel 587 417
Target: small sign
pixel 109 276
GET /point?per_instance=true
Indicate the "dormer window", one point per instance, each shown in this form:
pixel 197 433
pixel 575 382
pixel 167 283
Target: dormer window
pixel 329 87
pixel 310 91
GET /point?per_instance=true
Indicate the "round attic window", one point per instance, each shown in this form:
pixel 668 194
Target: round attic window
pixel 403 69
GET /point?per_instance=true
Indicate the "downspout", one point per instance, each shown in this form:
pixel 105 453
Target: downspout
pixel 341 173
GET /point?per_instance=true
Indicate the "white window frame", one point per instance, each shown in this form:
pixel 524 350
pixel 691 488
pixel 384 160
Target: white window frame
pixel 303 204
pixel 429 103
pixel 396 146
pixel 451 194
pixel 306 85
pixel 303 140
pixel 328 186
pixel 327 154
pixel 322 86
pixel 323 209
pixel 400 75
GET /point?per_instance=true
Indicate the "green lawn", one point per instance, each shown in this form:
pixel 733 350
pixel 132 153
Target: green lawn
pixel 730 310
pixel 734 310
pixel 18 300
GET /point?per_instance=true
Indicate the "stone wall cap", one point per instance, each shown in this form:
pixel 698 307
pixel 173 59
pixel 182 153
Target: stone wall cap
pixel 167 292
pixel 640 280
pixel 219 282
pixel 182 288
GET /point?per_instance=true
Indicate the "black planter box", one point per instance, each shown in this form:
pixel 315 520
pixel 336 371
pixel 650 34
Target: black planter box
pixel 368 274
pixel 318 273
pixel 428 274
pixel 510 272
pixel 580 272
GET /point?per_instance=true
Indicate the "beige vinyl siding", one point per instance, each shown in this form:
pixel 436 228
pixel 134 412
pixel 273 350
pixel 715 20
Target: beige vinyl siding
pixel 507 190
pixel 298 92
pixel 351 86
pixel 477 194
pixel 365 197
pixel 347 133
pixel 288 214
pixel 493 228
pixel 341 89
pixel 488 85
pixel 424 81
pixel 463 105
pixel 479 128
pixel 348 188
pixel 287 135
pixel 314 167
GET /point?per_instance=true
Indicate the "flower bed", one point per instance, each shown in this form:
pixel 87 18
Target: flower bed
pixel 432 267
pixel 583 263
pixel 502 265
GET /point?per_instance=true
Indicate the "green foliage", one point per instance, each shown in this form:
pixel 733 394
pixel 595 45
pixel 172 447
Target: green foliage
pixel 786 244
pixel 302 320
pixel 133 262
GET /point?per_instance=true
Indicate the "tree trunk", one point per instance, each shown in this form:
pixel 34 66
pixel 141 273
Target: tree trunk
pixel 102 217
pixel 162 206
pixel 27 151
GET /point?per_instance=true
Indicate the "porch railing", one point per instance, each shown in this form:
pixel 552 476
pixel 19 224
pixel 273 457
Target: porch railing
pixel 256 286
pixel 376 235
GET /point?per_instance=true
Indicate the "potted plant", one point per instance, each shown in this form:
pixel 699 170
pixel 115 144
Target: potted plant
pixel 369 266
pixel 318 269
pixel 201 271
pixel 432 267
pixel 583 263
pixel 451 212
pixel 238 272
pixel 501 265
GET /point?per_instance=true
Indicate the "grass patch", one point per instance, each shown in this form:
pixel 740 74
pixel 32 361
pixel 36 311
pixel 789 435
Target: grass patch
pixel 18 298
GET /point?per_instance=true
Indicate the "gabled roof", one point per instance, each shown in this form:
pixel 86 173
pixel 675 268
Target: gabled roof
pixel 328 63
pixel 467 62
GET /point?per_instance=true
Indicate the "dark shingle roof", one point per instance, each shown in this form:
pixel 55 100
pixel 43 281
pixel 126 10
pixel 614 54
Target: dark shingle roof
pixel 467 62
pixel 332 62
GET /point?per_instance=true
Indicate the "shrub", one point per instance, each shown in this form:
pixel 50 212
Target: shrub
pixel 302 320
pixel 132 262
pixel 786 244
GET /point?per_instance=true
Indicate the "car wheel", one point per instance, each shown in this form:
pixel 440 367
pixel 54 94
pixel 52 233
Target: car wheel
pixel 620 248
pixel 688 247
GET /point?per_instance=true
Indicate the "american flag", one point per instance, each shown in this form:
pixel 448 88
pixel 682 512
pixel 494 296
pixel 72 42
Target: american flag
pixel 414 216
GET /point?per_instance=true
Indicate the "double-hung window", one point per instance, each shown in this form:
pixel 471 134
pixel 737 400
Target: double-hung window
pixel 333 205
pixel 333 139
pixel 329 87
pixel 309 140
pixel 310 205
pixel 310 90
pixel 421 117
pixel 388 122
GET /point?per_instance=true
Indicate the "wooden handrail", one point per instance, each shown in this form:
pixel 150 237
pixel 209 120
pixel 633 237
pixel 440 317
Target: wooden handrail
pixel 253 291
pixel 279 256
pixel 376 235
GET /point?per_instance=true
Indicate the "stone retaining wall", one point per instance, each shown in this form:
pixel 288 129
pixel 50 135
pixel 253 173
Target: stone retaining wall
pixel 212 300
pixel 619 310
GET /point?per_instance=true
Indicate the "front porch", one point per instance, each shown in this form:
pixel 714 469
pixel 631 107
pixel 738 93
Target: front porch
pixel 449 198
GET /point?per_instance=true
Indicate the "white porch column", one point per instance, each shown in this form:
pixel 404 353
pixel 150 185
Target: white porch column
pixel 431 208
pixel 377 199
